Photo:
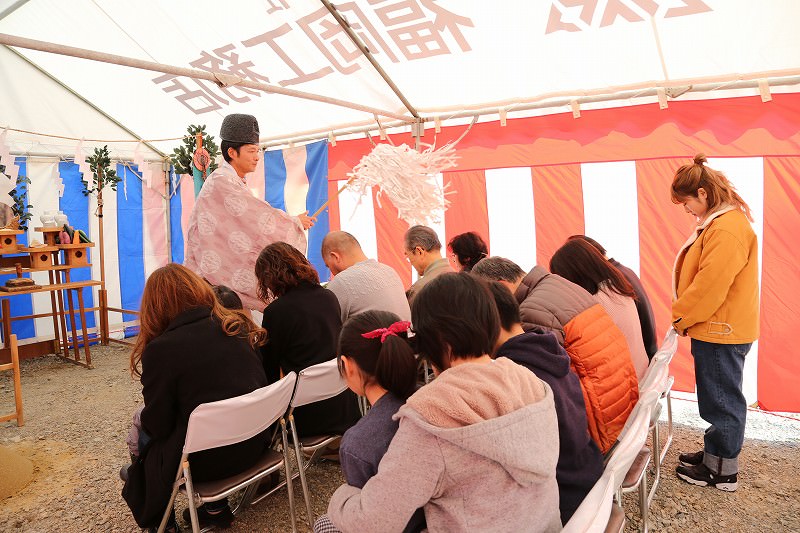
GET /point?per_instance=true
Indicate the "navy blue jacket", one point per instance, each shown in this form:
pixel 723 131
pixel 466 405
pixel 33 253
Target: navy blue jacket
pixel 580 463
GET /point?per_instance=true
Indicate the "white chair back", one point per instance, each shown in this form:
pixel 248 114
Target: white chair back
pixel 669 346
pixel 595 510
pixel 656 376
pixel 317 383
pixel 632 438
pixel 233 420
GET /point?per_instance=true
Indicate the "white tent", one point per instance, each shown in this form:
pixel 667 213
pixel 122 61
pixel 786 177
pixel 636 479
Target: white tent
pixel 585 109
pixel 446 58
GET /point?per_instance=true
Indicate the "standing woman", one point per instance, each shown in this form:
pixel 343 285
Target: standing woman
pixel 303 322
pixel 581 263
pixel 715 302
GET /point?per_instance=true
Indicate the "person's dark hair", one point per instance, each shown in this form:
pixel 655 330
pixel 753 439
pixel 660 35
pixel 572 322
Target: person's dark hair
pixel 507 306
pixel 581 263
pixel 454 316
pixel 227 297
pixel 498 269
pixel 469 249
pixel 689 178
pixel 597 245
pixel 281 267
pixel 391 363
pixel 224 145
pixel 421 236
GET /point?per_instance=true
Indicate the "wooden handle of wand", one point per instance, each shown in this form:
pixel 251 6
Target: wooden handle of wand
pixel 325 205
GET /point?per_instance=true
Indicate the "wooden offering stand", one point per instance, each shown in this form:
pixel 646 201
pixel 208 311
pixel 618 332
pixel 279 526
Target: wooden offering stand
pixel 76 255
pixel 19 283
pixel 8 240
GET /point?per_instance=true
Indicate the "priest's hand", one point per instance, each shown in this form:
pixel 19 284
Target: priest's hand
pixel 306 220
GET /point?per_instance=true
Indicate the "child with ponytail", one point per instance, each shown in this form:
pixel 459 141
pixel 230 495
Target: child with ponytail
pixel 715 303
pixel 378 363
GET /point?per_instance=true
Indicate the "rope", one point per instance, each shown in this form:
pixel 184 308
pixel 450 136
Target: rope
pixel 94 140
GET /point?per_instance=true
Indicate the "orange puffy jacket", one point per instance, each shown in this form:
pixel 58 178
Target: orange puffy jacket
pixel 601 359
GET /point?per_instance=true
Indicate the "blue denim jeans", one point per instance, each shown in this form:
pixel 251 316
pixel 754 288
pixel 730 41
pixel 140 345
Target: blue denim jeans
pixel 718 373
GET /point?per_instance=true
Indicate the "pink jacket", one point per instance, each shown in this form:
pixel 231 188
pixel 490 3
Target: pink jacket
pixel 477 449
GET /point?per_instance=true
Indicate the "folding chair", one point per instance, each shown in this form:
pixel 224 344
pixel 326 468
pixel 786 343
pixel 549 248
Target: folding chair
pixel 657 380
pixel 314 384
pixel 595 512
pixel 630 458
pixel 664 355
pixel 225 422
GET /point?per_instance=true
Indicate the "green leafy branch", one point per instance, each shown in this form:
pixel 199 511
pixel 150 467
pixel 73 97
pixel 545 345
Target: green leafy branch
pixel 102 172
pixel 20 208
pixel 182 156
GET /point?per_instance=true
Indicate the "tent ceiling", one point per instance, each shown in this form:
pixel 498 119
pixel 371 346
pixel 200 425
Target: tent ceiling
pixel 445 56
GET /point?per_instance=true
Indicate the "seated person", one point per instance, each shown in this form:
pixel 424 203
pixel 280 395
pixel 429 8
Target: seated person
pixel 467 249
pixel 378 364
pixel 424 251
pixel 227 297
pixel 303 322
pixel 595 345
pixel 476 447
pixel 580 463
pixel 191 351
pixel 359 283
pixel 643 307
pixel 579 262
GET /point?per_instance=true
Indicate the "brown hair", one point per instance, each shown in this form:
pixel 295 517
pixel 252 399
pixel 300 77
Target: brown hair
pixel 281 267
pixel 580 262
pixel 689 178
pixel 469 249
pixel 173 289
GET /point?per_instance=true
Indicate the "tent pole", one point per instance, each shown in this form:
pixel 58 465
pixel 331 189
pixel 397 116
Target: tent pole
pixel 368 55
pixel 85 101
pixel 219 78
pixel 492 109
pixel 13 7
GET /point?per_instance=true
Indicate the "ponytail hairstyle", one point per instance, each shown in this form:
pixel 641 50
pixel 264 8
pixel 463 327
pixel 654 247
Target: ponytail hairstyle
pixel 384 356
pixel 689 178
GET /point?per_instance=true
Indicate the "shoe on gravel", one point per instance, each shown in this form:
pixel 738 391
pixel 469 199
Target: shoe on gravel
pixel 691 459
pixel 702 476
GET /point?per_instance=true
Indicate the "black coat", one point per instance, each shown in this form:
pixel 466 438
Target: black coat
pixel 303 328
pixel 193 362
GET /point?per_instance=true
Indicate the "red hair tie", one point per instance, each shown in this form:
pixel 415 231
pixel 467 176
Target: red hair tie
pixel 394 329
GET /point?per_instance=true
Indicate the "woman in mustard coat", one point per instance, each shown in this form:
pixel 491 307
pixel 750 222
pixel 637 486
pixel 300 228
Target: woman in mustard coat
pixel 715 303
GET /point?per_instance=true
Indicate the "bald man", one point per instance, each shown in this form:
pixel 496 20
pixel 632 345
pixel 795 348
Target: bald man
pixel 361 284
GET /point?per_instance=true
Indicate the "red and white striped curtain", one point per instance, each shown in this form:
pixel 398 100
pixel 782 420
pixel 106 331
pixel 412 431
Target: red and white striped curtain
pixel 529 185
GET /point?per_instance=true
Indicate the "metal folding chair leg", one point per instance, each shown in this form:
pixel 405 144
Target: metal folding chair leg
pixel 289 486
pixel 656 464
pixel 668 442
pixel 301 466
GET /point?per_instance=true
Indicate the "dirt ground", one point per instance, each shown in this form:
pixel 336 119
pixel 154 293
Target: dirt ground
pixel 77 420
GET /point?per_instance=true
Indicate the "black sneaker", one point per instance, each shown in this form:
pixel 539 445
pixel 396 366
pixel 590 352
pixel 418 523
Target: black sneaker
pixel 702 476
pixel 691 459
pixel 220 520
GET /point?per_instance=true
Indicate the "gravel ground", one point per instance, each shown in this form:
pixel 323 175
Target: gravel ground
pixel 77 420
